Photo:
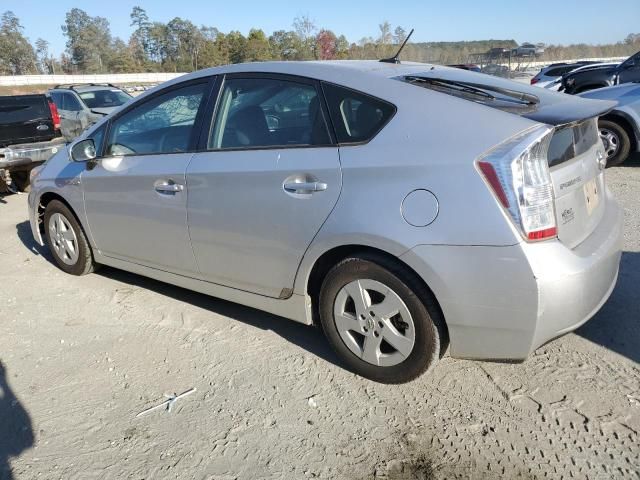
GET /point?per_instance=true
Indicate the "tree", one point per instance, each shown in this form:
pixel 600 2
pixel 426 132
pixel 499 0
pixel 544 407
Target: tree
pixel 326 43
pixel 42 57
pixel 399 35
pixel 306 28
pixel 237 45
pixel 88 40
pixel 140 40
pixel 258 48
pixel 16 53
pixel 286 45
pixel 385 37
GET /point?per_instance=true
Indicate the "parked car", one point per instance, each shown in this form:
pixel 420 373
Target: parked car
pixel 496 70
pixel 599 76
pixel 29 135
pixel 497 52
pixel 620 128
pixel 472 67
pixel 554 72
pixel 83 105
pixel 331 192
pixel 527 50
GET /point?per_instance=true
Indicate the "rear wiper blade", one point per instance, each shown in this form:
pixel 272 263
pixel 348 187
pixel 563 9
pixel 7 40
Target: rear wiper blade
pixel 462 87
pixel 480 89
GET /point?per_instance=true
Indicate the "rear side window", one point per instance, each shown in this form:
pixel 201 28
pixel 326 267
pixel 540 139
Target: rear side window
pixel 356 117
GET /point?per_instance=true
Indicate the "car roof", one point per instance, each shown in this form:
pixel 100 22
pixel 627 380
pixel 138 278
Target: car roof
pixel 85 88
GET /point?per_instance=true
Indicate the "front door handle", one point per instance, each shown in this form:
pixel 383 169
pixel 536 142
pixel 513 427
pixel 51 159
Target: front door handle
pixel 305 187
pixel 167 186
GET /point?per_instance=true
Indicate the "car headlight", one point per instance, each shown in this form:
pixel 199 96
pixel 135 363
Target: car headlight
pixel 571 81
pixel 34 173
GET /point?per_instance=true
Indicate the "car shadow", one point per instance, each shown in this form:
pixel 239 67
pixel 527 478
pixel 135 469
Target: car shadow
pixel 615 326
pixel 23 230
pixel 309 338
pixel 632 161
pixel 16 432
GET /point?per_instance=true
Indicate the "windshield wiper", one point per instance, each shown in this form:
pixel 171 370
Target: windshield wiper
pixel 480 90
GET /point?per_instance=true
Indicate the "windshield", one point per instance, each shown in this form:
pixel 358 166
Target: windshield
pixel 104 98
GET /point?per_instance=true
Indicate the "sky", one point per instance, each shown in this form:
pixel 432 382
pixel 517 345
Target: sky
pixel 556 22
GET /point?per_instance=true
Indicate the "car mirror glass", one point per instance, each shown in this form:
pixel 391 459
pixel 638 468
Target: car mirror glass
pixel 83 151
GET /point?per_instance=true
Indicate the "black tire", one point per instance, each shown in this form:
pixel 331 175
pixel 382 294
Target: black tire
pixel 84 263
pixel 21 180
pixel 624 142
pixel 431 338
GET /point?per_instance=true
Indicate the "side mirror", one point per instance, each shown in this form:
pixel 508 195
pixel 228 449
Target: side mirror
pixel 83 151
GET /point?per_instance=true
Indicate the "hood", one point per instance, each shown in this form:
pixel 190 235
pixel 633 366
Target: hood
pixel 621 93
pixel 552 108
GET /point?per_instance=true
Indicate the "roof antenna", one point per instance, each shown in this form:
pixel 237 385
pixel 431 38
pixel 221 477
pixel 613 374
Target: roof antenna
pixel 395 58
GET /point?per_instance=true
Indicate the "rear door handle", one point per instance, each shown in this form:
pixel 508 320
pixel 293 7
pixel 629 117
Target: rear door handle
pixel 167 186
pixel 305 187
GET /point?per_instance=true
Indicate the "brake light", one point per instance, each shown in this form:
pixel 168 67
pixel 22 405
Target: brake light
pixel 534 80
pixel 55 116
pixel 517 172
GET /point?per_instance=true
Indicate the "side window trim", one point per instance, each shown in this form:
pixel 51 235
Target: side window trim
pixel 195 131
pixel 216 97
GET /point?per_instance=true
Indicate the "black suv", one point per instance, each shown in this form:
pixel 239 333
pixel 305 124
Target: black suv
pixel 602 76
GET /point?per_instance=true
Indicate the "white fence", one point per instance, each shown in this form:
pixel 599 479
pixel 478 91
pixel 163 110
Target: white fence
pixel 537 63
pixel 15 80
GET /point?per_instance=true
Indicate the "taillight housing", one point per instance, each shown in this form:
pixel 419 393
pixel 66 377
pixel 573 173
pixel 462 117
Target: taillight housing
pixel 517 172
pixel 55 116
pixel 534 80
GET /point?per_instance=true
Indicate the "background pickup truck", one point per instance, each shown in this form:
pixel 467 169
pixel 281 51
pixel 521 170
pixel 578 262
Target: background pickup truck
pixel 29 135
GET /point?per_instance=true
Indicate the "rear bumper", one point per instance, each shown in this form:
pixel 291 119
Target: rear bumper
pixel 15 156
pixel 502 303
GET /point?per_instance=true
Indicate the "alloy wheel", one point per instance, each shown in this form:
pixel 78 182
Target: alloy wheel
pixel 374 322
pixel 611 142
pixel 63 239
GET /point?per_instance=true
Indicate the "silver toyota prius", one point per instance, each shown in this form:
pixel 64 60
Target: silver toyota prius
pixel 404 208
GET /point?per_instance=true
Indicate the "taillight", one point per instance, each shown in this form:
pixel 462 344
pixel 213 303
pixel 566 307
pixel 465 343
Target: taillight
pixel 55 116
pixel 534 80
pixel 517 172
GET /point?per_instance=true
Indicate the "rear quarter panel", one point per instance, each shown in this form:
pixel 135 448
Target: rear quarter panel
pixel 431 143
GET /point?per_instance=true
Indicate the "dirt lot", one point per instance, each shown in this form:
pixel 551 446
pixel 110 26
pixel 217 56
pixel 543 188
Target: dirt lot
pixel 83 356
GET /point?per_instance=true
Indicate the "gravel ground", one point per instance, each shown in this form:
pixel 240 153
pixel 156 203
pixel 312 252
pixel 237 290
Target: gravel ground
pixel 83 356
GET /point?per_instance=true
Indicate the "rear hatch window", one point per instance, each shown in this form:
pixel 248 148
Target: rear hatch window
pixel 24 118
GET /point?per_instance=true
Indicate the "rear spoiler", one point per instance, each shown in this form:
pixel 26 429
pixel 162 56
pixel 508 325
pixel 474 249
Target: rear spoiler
pixel 572 111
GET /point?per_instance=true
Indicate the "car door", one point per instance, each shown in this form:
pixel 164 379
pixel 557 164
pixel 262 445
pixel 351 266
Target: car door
pixel 135 196
pixel 70 115
pixel 267 180
pixel 629 71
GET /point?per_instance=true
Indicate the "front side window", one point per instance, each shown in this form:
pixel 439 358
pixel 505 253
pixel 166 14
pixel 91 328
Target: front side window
pixel 357 117
pixel 264 112
pixel 163 124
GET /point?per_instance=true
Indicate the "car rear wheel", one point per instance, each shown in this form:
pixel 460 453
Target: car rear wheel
pixel 67 240
pixel 21 180
pixel 617 143
pixel 381 321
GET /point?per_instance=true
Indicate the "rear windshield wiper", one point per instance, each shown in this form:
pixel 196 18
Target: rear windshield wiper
pixel 479 89
pixel 459 86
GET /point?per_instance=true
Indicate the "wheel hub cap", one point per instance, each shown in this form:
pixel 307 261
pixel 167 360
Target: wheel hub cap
pixel 611 142
pixel 63 239
pixel 374 322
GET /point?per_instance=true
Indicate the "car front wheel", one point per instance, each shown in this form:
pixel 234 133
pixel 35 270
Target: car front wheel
pixel 380 319
pixel 66 239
